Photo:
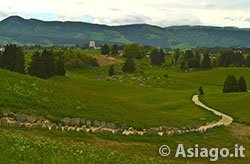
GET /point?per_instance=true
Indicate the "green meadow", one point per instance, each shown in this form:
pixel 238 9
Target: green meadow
pixel 154 96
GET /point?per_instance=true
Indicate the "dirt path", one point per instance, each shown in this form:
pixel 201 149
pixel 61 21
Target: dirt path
pixel 225 119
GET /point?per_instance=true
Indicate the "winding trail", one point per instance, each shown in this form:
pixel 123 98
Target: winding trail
pixel 225 119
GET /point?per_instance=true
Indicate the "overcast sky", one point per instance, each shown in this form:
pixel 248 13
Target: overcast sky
pixel 119 12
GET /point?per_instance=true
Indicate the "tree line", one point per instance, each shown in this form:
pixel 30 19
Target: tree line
pixel 231 84
pixel 44 64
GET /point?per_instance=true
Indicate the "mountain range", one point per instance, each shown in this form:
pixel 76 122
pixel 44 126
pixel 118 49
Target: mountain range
pixel 15 29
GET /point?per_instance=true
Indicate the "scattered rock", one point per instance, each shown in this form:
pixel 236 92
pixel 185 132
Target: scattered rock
pixel 66 121
pixel 88 123
pixel 117 125
pixel 103 124
pixel 21 117
pixel 53 127
pixel 75 121
pixel 97 123
pixel 82 121
pixel 31 119
pixel 203 119
pixel 110 125
pixel 11 114
pixel 124 126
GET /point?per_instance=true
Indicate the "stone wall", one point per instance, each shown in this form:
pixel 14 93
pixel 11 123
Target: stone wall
pixel 83 125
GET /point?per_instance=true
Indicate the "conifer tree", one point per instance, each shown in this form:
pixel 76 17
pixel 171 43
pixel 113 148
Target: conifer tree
pixel 111 70
pixel 242 84
pixel 129 66
pixel 206 64
pixel 35 65
pixel 201 90
pixel 114 50
pixel 60 68
pixel 105 49
pixel 248 61
pixel 231 84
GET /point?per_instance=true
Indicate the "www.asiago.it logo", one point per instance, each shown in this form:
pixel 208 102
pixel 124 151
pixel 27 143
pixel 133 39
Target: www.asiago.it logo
pixel 212 153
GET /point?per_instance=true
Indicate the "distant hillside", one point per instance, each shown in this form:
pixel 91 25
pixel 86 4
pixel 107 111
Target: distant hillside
pixel 21 31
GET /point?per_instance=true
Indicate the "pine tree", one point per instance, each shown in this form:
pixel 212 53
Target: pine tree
pixel 214 63
pixel 48 65
pixel 105 49
pixel 35 65
pixel 248 61
pixel 242 84
pixel 231 84
pixel 60 68
pixel 154 57
pixel 129 66
pixel 201 90
pixel 111 70
pixel 114 50
pixel 206 64
pixel 161 57
pixel 13 59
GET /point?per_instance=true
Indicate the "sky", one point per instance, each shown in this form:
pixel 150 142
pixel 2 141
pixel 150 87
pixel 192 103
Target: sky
pixel 122 12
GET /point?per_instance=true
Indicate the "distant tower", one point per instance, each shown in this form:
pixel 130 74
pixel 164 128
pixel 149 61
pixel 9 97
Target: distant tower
pixel 92 44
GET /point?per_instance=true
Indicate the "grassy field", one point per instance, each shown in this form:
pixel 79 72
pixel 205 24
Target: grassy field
pixel 151 97
pixel 35 147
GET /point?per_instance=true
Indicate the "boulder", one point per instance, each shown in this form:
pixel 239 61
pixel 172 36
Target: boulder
pixel 59 126
pixel 4 122
pixel 31 119
pixel 84 129
pixel 110 125
pixel 75 121
pixel 11 114
pixel 88 123
pixel 82 121
pixel 53 126
pixel 21 117
pixel 124 126
pixel 117 125
pixel 66 121
pixel 120 131
pixel 14 123
pixel 103 124
pixel 203 119
pixel 97 123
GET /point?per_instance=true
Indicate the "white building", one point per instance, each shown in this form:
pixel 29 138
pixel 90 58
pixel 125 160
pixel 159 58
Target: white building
pixel 92 44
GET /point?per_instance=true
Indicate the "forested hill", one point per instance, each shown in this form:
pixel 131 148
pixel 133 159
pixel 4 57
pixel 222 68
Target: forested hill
pixel 15 29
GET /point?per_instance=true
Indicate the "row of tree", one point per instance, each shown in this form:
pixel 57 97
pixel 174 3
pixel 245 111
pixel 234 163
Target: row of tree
pixel 106 50
pixel 233 58
pixel 193 60
pixel 13 59
pixel 233 85
pixel 45 65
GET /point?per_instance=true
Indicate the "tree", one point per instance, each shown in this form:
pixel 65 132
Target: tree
pixel 48 64
pixel 129 66
pixel 133 51
pixel 13 59
pixel 206 64
pixel 214 63
pixel 242 84
pixel 201 90
pixel 248 61
pixel 231 84
pixel 114 50
pixel 177 55
pixel 60 68
pixel 105 49
pixel 35 66
pixel 111 70
pixel 157 57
